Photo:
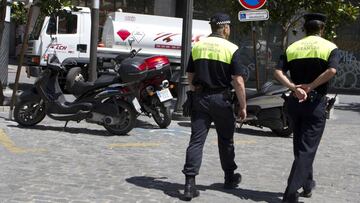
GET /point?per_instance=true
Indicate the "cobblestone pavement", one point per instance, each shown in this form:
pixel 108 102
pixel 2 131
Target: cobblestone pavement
pixel 83 163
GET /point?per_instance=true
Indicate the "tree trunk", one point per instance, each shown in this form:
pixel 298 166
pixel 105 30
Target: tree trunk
pixel 2 26
pixel 2 18
pixel 2 97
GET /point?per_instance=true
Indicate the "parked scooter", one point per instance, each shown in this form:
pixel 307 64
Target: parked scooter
pixel 146 78
pixel 266 108
pixel 103 103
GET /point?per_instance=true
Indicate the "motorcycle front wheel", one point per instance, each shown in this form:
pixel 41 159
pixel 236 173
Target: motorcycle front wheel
pixel 29 113
pixel 162 115
pixel 127 117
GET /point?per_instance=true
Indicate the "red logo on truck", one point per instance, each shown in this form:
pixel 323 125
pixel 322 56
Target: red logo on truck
pixel 123 34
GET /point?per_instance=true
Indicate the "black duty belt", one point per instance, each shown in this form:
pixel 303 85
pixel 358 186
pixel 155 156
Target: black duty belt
pixel 312 96
pixel 201 89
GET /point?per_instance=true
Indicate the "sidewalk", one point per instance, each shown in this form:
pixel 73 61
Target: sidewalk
pixel 83 163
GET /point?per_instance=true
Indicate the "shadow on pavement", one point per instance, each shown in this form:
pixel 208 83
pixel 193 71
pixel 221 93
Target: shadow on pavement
pixel 173 189
pixel 145 125
pixel 348 107
pixel 242 130
pixel 255 132
pixel 72 130
pixel 188 124
pixel 139 124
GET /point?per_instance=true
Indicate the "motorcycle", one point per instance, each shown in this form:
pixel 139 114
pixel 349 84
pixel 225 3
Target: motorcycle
pixel 146 78
pixel 266 108
pixel 102 103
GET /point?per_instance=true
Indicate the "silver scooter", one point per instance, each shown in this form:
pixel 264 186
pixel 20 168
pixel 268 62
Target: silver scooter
pixel 265 108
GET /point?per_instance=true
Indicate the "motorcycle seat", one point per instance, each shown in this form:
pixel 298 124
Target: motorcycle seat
pixel 67 107
pixel 103 81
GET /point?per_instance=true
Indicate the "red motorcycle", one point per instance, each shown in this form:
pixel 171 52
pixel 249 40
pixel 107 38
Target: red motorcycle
pixel 146 78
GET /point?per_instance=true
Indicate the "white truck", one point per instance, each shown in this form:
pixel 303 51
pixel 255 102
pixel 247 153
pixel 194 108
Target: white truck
pixel 69 36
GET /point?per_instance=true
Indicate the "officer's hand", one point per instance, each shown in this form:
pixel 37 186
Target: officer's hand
pixel 306 87
pixel 300 94
pixel 242 114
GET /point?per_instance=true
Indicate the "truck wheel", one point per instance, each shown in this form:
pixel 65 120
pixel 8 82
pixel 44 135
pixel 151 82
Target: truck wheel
pixel 73 75
pixel 162 115
pixel 29 113
pixel 127 119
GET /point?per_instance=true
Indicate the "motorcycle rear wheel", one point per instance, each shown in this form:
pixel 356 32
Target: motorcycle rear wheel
pixel 162 116
pixel 29 113
pixel 127 119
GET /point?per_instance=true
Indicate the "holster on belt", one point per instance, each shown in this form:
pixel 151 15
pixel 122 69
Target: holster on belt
pixel 314 95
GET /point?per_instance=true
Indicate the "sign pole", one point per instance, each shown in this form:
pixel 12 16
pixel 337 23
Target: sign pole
pixel 254 14
pixel 253 27
pixel 185 55
pixel 94 40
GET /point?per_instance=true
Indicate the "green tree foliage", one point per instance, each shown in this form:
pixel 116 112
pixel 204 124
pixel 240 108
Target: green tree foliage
pixel 289 12
pixel 18 13
pixel 48 7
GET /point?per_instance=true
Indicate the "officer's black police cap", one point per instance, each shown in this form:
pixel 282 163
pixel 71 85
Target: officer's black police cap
pixel 315 16
pixel 220 19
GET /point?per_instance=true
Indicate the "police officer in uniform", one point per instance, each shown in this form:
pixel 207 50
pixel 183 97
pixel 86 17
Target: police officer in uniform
pixel 312 62
pixel 213 66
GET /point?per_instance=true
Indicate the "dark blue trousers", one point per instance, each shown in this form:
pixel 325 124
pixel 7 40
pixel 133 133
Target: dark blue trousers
pixel 208 108
pixel 308 121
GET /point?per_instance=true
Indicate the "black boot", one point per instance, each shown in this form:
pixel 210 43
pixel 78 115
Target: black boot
pixel 190 190
pixel 232 180
pixel 291 198
pixel 308 189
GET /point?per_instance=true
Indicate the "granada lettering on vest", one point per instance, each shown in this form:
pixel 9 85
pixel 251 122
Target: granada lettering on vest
pixel 214 48
pixel 310 47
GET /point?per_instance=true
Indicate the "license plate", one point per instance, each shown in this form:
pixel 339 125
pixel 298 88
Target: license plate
pixel 164 95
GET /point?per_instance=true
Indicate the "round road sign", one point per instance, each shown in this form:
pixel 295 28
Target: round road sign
pixel 252 4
